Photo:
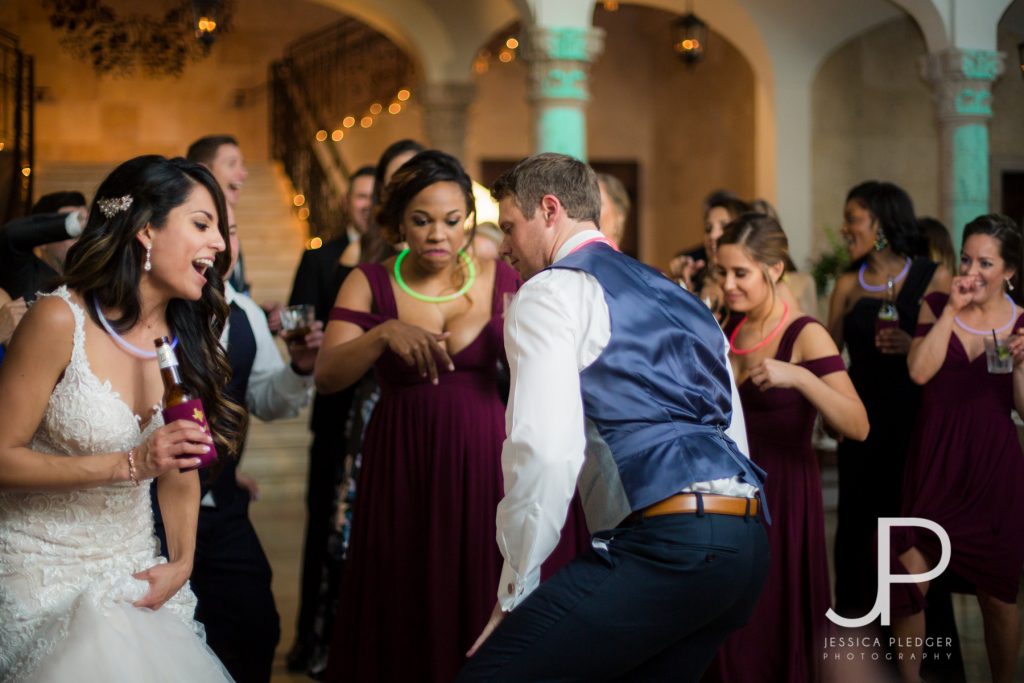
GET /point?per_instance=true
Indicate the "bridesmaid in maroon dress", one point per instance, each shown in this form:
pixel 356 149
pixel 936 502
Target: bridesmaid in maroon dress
pixel 419 581
pixel 965 468
pixel 788 370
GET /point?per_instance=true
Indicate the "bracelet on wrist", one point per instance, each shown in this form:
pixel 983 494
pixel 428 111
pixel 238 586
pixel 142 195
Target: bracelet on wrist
pixel 132 474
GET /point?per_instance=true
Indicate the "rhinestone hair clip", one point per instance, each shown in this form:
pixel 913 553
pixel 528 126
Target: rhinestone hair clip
pixel 115 205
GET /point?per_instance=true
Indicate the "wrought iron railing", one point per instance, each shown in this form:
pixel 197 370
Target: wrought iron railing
pixel 313 168
pixel 339 78
pixel 16 128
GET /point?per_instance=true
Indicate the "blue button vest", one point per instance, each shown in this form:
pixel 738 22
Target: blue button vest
pixel 658 398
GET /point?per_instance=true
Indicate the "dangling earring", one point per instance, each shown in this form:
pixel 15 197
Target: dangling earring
pixel 149 264
pixel 880 241
pixel 1009 285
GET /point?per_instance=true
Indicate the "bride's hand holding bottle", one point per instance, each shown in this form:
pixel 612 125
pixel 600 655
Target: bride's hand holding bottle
pixel 169 448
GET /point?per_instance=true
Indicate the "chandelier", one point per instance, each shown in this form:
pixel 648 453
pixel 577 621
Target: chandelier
pixel 158 46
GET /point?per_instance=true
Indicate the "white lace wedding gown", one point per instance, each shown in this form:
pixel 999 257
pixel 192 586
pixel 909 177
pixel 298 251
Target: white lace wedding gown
pixel 67 558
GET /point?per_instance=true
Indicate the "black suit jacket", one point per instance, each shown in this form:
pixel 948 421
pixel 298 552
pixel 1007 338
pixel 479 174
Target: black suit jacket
pixel 317 282
pixel 21 273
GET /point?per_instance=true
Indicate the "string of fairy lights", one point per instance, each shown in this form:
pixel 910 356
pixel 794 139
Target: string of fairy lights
pixel 367 118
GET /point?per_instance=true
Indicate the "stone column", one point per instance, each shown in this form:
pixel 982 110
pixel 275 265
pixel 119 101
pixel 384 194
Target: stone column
pixel 445 112
pixel 962 83
pixel 559 59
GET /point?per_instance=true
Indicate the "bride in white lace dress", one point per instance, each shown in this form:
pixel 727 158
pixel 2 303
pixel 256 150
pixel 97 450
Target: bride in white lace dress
pixel 84 595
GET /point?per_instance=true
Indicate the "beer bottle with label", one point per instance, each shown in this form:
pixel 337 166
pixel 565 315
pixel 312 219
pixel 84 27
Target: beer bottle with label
pixel 174 391
pixel 178 403
pixel 888 316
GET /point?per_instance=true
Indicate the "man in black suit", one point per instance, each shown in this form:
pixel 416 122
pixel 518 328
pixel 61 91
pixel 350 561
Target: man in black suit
pixel 50 229
pixel 32 253
pixel 317 281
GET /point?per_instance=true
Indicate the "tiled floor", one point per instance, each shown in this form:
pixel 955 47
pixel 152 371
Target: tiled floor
pixel 280 523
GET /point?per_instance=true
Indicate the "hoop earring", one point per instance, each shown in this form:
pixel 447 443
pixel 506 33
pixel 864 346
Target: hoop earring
pixel 1009 285
pixel 880 242
pixel 148 266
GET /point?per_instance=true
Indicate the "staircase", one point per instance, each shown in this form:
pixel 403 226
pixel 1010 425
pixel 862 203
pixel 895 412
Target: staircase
pixel 272 240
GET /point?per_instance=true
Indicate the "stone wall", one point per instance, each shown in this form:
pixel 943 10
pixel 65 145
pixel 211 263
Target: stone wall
pixel 690 130
pixel 86 118
pixel 874 118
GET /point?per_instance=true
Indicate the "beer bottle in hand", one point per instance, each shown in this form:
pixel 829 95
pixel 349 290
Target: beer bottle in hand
pixel 174 391
pixel 888 316
pixel 178 404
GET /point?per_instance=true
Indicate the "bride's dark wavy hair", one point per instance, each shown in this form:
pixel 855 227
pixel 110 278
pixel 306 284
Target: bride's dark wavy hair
pixel 106 264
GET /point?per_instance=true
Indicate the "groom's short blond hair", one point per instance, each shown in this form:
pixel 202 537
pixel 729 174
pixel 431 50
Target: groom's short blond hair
pixel 569 179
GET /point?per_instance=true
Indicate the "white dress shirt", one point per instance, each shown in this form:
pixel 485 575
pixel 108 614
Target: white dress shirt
pixel 275 390
pixel 556 326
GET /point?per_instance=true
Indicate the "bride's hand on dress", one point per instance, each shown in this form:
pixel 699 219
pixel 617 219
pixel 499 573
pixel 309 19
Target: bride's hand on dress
pixel 164 581
pixel 170 447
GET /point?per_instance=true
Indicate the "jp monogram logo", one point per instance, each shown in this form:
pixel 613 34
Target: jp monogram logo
pixel 885 579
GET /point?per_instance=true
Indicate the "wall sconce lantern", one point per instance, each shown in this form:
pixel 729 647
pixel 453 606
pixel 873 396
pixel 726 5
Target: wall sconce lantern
pixel 689 38
pixel 207 15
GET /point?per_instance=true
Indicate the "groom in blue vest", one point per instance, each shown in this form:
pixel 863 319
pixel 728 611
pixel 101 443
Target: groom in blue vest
pixel 621 385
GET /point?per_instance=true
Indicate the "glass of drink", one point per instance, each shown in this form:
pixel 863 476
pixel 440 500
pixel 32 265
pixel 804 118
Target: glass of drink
pixel 997 356
pixel 885 322
pixel 296 322
pixel 888 316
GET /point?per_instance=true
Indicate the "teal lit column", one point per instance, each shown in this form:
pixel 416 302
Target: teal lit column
pixel 559 60
pixel 962 82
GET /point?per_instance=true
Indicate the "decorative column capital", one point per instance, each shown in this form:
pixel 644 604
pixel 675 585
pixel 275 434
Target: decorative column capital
pixel 558 59
pixel 447 94
pixel 445 106
pixel 962 82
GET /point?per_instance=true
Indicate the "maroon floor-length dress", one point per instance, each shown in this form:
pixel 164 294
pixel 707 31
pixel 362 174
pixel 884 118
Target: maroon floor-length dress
pixel 423 568
pixel 782 640
pixel 965 471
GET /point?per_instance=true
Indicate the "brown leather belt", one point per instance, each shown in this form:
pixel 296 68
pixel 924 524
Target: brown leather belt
pixel 683 503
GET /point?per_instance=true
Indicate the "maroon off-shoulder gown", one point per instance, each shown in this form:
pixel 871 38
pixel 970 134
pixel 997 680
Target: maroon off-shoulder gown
pixel 422 574
pixel 782 640
pixel 965 471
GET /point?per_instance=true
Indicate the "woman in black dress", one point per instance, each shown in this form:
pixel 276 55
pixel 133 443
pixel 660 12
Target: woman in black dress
pixel 884 243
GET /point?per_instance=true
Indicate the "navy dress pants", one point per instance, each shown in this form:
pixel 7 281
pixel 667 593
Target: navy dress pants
pixel 650 601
